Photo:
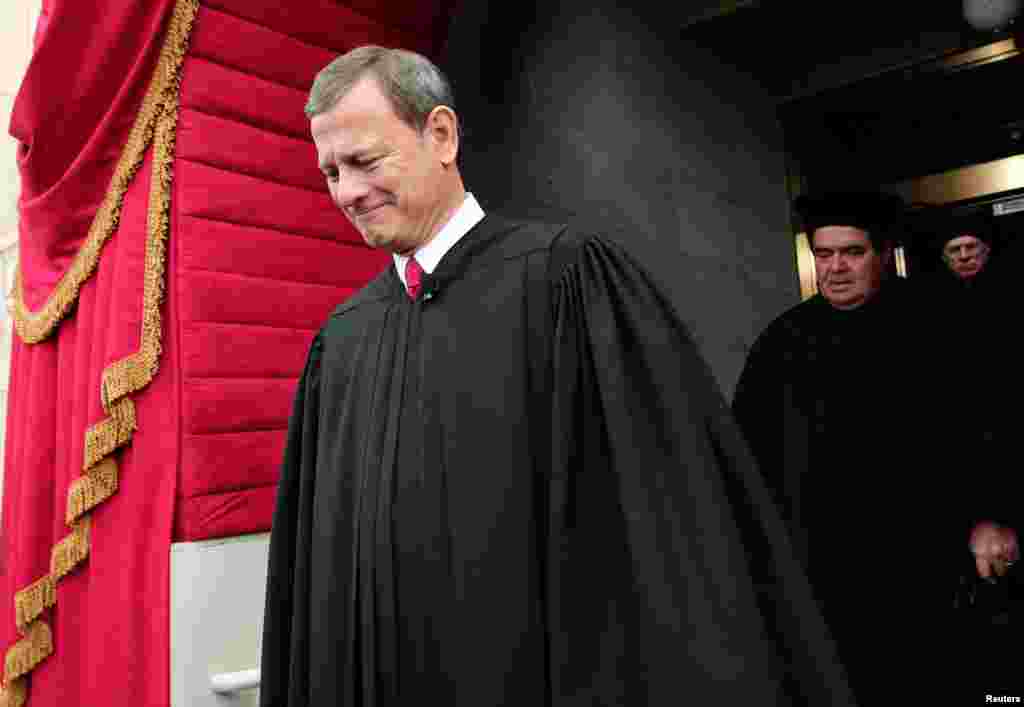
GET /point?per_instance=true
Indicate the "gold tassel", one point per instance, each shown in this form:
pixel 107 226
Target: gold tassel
pixel 91 489
pixel 30 602
pixel 29 651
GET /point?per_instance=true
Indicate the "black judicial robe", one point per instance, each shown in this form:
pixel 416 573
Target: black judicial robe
pixel 526 489
pixel 976 374
pixel 836 408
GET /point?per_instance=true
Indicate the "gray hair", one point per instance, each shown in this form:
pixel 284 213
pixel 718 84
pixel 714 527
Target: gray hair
pixel 413 84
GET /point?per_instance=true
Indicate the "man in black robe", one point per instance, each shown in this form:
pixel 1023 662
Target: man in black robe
pixel 510 478
pixel 838 403
pixel 975 374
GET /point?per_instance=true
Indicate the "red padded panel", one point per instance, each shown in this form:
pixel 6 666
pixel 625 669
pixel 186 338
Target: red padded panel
pixel 254 49
pixel 237 147
pixel 338 27
pixel 236 95
pixel 236 405
pixel 412 14
pixel 238 299
pixel 230 461
pixel 248 250
pixel 222 515
pixel 262 255
pixel 232 350
pixel 222 195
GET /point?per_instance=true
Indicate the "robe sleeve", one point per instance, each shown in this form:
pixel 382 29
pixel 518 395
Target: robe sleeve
pixel 759 389
pixel 284 670
pixel 775 430
pixel 669 575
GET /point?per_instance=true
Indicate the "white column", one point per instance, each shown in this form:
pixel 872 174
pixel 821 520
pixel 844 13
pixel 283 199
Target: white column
pixel 17 25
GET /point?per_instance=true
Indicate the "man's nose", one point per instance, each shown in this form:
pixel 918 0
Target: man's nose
pixel 839 263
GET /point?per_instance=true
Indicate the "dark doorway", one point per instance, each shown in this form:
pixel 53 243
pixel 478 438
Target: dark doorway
pixel 880 95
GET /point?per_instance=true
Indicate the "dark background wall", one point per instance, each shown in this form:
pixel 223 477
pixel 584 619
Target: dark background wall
pixel 605 115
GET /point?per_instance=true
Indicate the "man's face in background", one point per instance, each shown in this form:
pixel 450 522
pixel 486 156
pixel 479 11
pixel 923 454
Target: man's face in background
pixel 849 269
pixel 966 256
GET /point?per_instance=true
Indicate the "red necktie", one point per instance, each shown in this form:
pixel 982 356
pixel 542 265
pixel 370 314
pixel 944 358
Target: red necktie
pixel 413 278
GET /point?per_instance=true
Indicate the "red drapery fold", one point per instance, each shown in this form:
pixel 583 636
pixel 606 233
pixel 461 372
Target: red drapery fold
pixel 81 93
pixel 96 118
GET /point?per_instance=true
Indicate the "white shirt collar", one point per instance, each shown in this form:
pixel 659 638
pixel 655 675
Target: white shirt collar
pixel 468 215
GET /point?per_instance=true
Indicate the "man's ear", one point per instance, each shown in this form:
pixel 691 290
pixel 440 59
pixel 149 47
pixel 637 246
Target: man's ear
pixel 442 129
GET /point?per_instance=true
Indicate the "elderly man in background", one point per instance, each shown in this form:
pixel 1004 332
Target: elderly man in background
pixel 970 334
pixel 966 247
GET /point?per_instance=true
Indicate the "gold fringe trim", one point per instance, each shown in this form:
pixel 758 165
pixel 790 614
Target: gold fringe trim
pixel 30 602
pixel 71 550
pixel 34 327
pixel 91 489
pixel 156 124
pixel 29 651
pixel 14 694
pixel 103 438
pixel 134 372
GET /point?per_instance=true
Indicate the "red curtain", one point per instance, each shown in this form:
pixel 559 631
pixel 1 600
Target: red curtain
pixel 84 584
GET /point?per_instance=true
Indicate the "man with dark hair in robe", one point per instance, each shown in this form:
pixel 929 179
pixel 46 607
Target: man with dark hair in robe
pixel 510 478
pixel 837 402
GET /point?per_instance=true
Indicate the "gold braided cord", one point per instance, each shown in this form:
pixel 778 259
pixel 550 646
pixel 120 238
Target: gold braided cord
pixel 14 694
pixel 34 327
pixel 30 602
pixel 156 125
pixel 91 489
pixel 71 550
pixel 134 372
pixel 103 438
pixel 29 651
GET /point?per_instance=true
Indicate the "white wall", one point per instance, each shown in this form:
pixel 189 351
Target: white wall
pixel 217 594
pixel 17 25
